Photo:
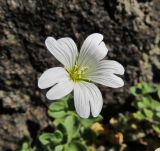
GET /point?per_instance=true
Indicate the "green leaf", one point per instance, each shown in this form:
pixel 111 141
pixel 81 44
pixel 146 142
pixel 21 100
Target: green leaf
pixel 142 104
pixel 72 126
pixel 141 89
pixel 59 148
pixel 76 146
pixel 133 91
pixel 47 138
pixel 148 113
pixel 147 101
pixel 156 128
pixel 62 128
pixel 146 88
pixel 155 105
pixel 158 91
pixel 139 115
pixel 88 122
pixel 158 114
pixel 60 105
pixel 58 121
pixel 57 109
pixel 25 147
pixel 59 114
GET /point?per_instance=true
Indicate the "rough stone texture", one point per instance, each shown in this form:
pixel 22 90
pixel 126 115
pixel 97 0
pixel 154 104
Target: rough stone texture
pixel 131 30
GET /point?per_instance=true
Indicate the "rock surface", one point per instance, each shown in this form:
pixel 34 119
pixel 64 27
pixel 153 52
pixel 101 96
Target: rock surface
pixel 131 30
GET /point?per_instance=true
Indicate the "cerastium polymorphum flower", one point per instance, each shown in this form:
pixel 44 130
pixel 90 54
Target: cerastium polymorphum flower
pixel 81 70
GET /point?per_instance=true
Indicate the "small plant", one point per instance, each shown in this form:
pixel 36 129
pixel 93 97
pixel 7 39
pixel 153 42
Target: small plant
pixel 147 104
pixel 142 125
pixel 72 133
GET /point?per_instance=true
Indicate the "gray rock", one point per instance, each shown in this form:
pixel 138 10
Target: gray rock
pixel 131 32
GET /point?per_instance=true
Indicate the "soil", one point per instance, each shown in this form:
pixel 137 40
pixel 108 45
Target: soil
pixel 131 30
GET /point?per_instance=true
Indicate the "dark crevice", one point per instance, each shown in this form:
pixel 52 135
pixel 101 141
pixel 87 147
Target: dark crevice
pixel 33 128
pixel 110 6
pixel 35 64
pixel 36 101
pixel 155 70
pixel 138 147
pixel 10 111
pixel 49 129
pixel 8 150
pixel 112 110
pixel 144 1
pixel 2 83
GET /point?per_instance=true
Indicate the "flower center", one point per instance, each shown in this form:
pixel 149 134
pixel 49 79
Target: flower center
pixel 77 73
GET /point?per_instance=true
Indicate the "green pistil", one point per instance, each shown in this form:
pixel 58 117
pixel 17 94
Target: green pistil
pixel 77 73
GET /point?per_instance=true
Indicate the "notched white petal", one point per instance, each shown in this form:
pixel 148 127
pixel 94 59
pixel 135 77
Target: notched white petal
pixel 64 50
pixel 90 42
pixel 109 80
pixel 60 90
pixel 110 66
pixel 51 77
pixel 92 48
pixel 70 49
pixel 56 50
pixel 102 50
pixel 95 98
pixel 87 97
pixel 81 101
pixel 105 74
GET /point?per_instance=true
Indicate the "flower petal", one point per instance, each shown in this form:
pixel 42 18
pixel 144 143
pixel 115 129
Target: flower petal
pixel 104 74
pixel 109 80
pixel 70 48
pixel 95 98
pixel 92 48
pixel 108 66
pixel 158 149
pixel 81 101
pixel 51 77
pixel 60 90
pixel 86 96
pixel 64 50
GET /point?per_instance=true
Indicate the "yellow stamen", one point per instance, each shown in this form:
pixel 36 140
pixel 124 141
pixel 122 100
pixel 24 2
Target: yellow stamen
pixel 77 73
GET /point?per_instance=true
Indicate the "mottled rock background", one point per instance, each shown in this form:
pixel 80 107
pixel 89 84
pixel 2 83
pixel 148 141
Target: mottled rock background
pixel 131 30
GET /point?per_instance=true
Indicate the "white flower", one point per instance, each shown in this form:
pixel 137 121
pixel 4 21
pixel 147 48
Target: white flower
pixel 81 70
pixel 158 149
